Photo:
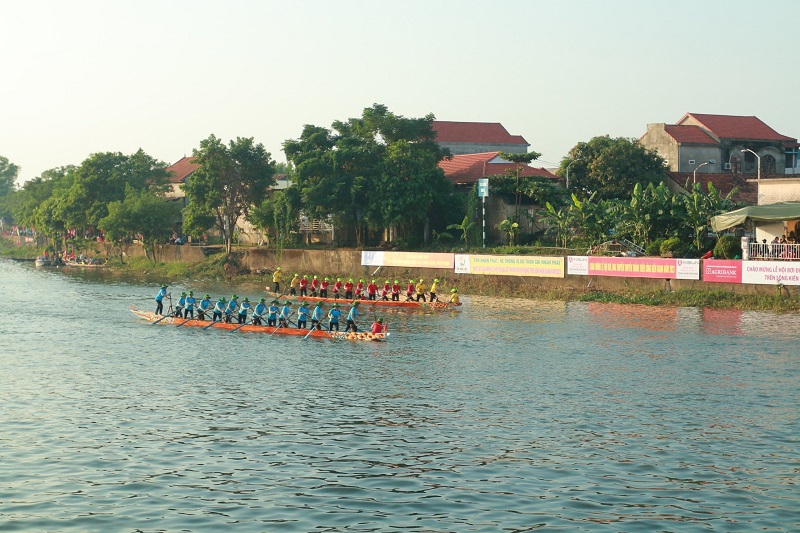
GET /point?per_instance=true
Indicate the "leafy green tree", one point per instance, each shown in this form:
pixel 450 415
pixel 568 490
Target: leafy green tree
pixel 465 227
pixel 520 161
pixel 610 167
pixel 143 212
pixel 229 182
pixel 700 207
pixel 373 172
pixel 511 229
pixel 561 222
pixel 35 204
pixel 8 175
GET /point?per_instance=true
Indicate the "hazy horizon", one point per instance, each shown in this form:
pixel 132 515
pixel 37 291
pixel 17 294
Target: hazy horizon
pixel 91 76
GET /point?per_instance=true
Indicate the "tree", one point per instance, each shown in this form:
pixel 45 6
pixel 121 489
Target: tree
pixel 230 180
pixel 8 175
pixel 143 212
pixel 561 222
pixel 520 160
pixel 700 207
pixel 377 171
pixel 611 167
pixel 465 226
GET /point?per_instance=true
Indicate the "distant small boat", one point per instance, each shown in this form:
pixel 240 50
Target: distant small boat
pixel 43 262
pixel 93 263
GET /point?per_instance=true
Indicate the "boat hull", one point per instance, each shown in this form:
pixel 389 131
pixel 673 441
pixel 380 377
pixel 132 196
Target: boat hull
pixel 269 330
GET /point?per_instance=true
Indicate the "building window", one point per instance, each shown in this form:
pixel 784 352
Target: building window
pixel 736 165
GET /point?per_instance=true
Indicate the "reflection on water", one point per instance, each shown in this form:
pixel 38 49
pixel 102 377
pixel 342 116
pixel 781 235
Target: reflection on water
pixel 506 415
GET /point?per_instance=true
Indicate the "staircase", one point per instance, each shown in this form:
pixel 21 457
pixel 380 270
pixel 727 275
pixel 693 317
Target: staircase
pixel 633 247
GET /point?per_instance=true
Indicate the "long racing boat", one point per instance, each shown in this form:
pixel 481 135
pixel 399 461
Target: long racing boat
pixel 249 328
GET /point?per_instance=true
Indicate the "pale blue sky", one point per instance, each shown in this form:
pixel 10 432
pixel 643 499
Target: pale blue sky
pixel 83 76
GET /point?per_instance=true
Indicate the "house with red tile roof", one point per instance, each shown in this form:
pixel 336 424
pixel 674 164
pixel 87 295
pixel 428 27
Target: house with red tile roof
pixel 466 169
pixel 724 144
pixel 477 137
pixel 179 172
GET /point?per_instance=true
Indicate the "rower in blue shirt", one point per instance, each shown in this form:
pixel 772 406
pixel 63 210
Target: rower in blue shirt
pixel 243 309
pixel 302 315
pixel 286 311
pixel 273 310
pixel 180 305
pixel 333 317
pixel 204 307
pixel 352 318
pixel 162 293
pixel 259 311
pixel 191 301
pixel 316 316
pixel 219 308
pixel 231 308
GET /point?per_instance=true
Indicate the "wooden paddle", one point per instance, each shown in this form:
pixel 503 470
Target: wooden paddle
pixel 162 318
pixel 237 328
pixel 184 322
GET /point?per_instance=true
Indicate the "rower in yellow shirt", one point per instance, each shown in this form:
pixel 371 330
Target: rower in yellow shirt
pixel 454 297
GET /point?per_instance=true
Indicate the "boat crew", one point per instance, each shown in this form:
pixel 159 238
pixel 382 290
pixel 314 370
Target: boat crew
pixel 204 307
pixel 162 293
pixel 219 308
pixel 303 283
pixel 303 313
pixel 359 289
pixel 410 290
pixel 323 287
pixel 272 316
pixel 377 326
pixel 337 288
pixel 333 317
pixel 352 318
pixel 372 290
pixel 421 288
pixel 286 311
pixel 243 309
pixel 294 285
pixel 348 289
pixel 180 305
pixel 454 297
pixel 231 308
pixel 276 279
pixel 191 301
pixel 434 290
pixel 316 316
pixel 259 311
pixel 396 291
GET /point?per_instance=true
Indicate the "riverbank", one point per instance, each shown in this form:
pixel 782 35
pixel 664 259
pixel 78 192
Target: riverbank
pixel 251 269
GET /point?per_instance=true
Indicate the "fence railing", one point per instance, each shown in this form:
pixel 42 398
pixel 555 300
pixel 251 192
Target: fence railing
pixel 774 252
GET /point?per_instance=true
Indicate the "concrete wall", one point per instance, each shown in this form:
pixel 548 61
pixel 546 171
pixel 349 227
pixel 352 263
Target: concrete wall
pixel 771 191
pixel 664 145
pixel 699 154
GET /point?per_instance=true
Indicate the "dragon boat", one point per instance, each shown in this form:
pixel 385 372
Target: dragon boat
pixel 367 302
pixel 153 318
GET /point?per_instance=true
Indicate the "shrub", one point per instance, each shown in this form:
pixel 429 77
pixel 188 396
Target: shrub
pixel 671 246
pixel 727 247
pixel 654 247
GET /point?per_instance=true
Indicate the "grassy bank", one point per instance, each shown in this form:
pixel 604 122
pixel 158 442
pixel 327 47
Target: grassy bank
pixel 219 268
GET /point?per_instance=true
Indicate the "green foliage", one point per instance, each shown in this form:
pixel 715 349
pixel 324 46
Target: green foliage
pixel 511 229
pixel 520 161
pixel 653 248
pixel 465 227
pixel 141 212
pixel 376 171
pixel 8 175
pixel 229 181
pixel 727 247
pixel 671 246
pixel 610 167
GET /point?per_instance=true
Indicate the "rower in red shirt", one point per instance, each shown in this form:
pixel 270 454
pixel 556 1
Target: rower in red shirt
pixel 337 288
pixel 378 327
pixel 323 287
pixel 314 286
pixel 385 291
pixel 410 290
pixel 359 289
pixel 396 291
pixel 304 286
pixel 372 290
pixel 348 289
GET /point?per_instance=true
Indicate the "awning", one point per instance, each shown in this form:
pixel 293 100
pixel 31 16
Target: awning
pixel 757 213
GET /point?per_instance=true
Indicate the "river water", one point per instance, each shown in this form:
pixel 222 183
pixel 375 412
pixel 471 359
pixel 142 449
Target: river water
pixel 509 415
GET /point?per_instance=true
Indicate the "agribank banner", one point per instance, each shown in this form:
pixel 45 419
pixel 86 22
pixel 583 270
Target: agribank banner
pixel 771 272
pixel 722 271
pixel 407 259
pixel 511 265
pixel 635 267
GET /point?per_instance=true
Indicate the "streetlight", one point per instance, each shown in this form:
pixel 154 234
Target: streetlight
pixel 757 157
pixel 694 176
pixel 570 164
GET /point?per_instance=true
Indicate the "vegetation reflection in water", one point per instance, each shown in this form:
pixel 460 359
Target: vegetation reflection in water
pixel 509 414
